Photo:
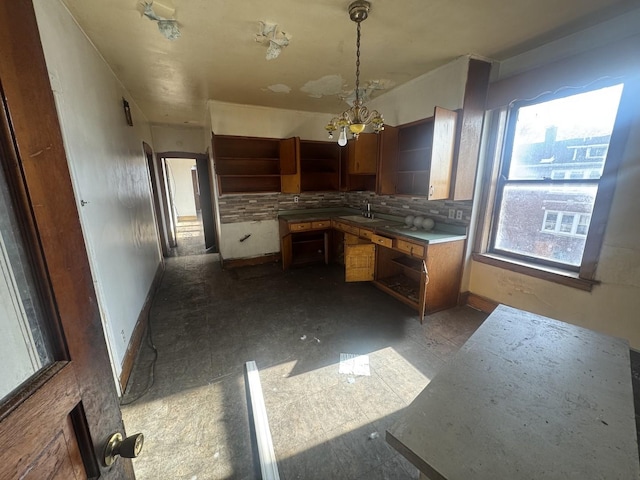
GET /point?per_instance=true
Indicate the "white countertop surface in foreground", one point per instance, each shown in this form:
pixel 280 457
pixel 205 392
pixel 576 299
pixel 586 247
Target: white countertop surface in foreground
pixel 527 397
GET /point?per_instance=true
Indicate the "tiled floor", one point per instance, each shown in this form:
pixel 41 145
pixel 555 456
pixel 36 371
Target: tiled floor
pixel 206 323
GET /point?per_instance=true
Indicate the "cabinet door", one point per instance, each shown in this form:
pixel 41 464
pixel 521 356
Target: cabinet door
pixel 388 165
pixel 286 251
pixel 290 165
pixel 359 262
pixel 444 138
pixel 362 154
pixel 444 266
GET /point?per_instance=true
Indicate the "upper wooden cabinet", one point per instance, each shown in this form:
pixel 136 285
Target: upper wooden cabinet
pixel 250 164
pixel 359 168
pixel 319 166
pixel 362 155
pixel 417 158
pixel 290 165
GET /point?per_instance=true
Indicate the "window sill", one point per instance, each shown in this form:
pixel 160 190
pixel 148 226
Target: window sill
pixel 556 275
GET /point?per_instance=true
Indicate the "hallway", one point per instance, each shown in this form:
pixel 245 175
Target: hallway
pixel 189 238
pixel 207 322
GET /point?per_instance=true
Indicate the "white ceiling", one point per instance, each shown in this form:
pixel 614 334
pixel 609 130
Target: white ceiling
pixel 217 56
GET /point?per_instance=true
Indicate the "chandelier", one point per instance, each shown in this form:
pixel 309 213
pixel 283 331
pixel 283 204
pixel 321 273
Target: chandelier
pixel 358 116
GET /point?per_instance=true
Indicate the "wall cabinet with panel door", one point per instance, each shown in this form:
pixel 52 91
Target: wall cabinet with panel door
pixel 249 164
pixel 417 158
pixel 361 165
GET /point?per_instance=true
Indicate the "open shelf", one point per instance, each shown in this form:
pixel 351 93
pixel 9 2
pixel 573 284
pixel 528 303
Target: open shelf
pixel 408 262
pixel 308 247
pixel 402 286
pixel 247 164
pixel 319 166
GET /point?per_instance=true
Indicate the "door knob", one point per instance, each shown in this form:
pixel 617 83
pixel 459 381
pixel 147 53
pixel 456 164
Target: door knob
pixel 129 447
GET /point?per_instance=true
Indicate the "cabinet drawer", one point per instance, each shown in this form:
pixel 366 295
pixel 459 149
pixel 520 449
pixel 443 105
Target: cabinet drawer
pixel 384 241
pixel 347 228
pixel 299 227
pixel 364 233
pixel 321 224
pixel 409 247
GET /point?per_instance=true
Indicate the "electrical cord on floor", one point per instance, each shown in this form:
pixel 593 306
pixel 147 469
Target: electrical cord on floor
pixel 152 369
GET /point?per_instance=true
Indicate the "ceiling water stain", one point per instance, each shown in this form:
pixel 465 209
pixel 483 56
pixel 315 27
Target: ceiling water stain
pixel 324 86
pixel 279 88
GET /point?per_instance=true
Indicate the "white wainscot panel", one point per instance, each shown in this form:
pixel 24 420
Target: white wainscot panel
pixel 263 239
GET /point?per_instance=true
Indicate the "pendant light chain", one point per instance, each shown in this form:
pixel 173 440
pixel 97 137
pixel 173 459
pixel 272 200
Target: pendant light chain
pixel 356 118
pixel 358 66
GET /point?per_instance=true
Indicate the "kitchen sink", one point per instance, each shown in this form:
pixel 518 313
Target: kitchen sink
pixel 359 219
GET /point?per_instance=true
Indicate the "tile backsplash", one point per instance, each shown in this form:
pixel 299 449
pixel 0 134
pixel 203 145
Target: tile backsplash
pixel 255 207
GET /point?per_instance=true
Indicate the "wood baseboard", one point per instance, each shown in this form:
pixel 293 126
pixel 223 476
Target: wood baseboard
pixel 138 332
pixel 245 262
pixel 476 301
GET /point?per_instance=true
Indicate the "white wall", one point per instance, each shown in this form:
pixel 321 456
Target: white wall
pixel 179 172
pixel 264 239
pixel 253 121
pixel 415 100
pixel 178 139
pixel 613 307
pixel 108 170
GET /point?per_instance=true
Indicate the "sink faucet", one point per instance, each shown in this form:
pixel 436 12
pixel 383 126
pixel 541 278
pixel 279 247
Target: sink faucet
pixel 366 210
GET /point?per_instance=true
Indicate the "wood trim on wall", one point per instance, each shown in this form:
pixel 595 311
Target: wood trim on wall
pixel 245 262
pixel 478 302
pixel 470 123
pixel 138 331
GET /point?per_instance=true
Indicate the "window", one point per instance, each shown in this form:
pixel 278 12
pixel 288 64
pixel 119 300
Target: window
pixel 570 223
pixel 553 160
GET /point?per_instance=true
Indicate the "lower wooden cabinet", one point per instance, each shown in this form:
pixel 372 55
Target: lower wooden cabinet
pixel 427 282
pixel 359 259
pixel 304 242
pixel 426 277
pixel 403 277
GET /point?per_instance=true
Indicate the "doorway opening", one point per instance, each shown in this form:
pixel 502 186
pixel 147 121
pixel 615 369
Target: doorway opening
pixel 189 213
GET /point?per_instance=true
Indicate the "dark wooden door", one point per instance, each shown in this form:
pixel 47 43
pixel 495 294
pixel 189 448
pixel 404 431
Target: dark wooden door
pixel 55 420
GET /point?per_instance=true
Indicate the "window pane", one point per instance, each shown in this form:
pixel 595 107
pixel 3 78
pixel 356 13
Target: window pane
pixel 550 221
pixel 570 134
pixel 24 339
pixel 566 224
pixel 528 224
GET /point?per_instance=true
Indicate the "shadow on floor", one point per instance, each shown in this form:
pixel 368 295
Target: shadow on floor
pixel 207 322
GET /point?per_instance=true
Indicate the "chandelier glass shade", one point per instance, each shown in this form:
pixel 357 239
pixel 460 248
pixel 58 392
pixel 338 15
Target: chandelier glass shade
pixel 356 118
